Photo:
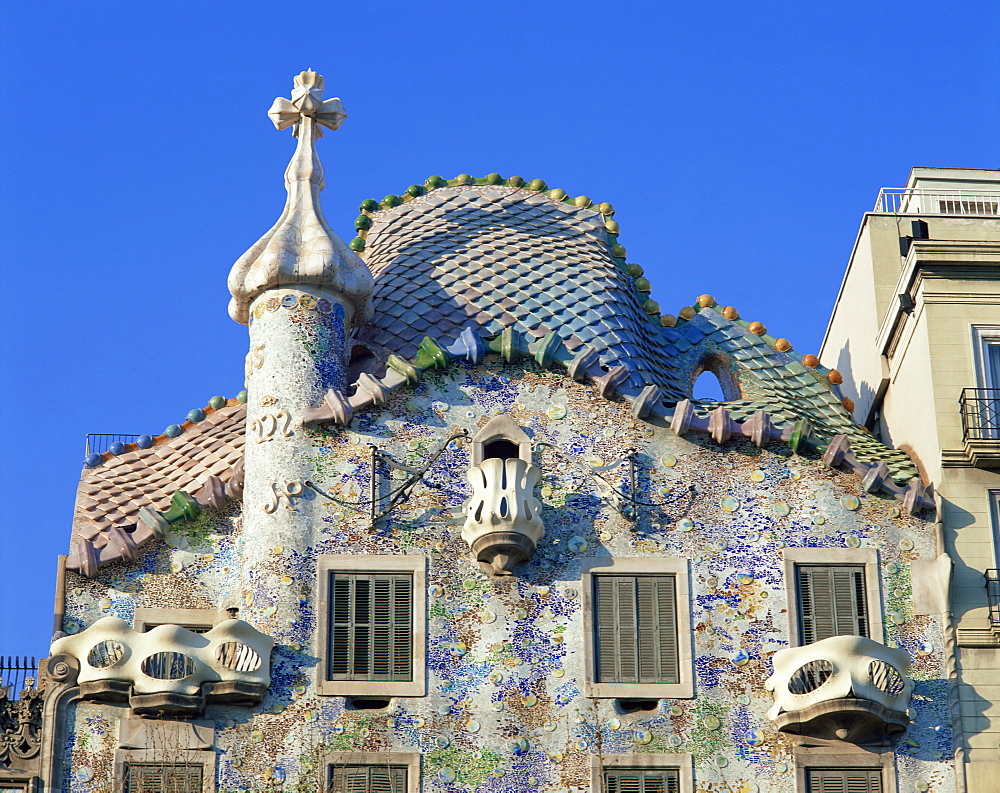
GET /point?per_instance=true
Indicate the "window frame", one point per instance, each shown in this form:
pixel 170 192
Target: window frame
pixel 816 758
pixel 994 510
pixel 12 780
pixel 984 336
pixel 629 566
pixel 169 756
pixel 354 563
pixel 409 760
pixel 834 557
pixel 682 761
pixel 148 618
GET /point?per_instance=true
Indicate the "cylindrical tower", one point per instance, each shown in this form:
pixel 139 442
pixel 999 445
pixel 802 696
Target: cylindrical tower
pixel 299 288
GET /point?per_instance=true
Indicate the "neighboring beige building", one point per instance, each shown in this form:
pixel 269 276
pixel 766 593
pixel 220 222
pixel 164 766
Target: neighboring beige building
pixel 916 334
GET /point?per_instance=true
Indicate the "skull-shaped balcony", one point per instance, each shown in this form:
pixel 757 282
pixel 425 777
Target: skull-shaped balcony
pixel 170 670
pixel 847 688
pixel 502 516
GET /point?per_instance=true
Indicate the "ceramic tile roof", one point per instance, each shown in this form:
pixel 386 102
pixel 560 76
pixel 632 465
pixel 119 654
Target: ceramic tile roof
pixel 470 268
pixel 494 256
pixel 497 257
pixel 108 522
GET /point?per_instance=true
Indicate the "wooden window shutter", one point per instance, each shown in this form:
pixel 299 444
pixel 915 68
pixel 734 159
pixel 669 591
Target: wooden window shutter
pixel 642 780
pixel 163 778
pixel 636 629
pixel 844 780
pixel 366 779
pixel 371 626
pixel 832 602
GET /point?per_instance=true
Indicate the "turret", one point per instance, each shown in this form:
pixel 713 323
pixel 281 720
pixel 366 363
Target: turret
pixel 299 288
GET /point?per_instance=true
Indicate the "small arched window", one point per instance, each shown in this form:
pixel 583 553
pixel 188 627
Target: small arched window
pixel 713 380
pixel 501 439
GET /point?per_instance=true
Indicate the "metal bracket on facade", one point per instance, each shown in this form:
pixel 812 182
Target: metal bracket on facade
pixel 379 505
pixel 625 504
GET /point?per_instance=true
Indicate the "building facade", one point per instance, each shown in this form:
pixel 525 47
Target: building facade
pixel 467 529
pixel 916 333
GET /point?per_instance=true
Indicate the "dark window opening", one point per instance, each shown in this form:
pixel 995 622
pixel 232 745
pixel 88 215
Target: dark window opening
pixel 637 705
pixel 368 703
pixel 501 450
pixel 193 628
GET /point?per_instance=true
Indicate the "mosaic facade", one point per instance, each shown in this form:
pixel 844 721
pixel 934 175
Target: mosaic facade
pixel 353 451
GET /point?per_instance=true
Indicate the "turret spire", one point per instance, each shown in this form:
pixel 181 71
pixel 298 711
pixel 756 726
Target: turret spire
pixel 301 248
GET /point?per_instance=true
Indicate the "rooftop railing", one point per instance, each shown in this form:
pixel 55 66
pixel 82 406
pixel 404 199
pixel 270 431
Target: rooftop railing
pixel 980 414
pixel 919 201
pixel 98 444
pixel 17 674
pixel 993 595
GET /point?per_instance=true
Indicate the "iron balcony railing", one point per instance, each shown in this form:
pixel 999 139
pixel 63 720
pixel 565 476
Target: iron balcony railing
pixel 993 595
pixel 918 201
pixel 980 414
pixel 98 444
pixel 15 674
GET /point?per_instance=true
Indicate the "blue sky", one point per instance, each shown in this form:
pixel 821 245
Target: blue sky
pixel 740 144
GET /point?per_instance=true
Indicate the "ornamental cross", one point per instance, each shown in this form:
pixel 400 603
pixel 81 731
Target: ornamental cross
pixel 307 102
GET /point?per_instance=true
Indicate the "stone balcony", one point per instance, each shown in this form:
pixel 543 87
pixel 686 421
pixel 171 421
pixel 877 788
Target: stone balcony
pixel 170 670
pixel 847 688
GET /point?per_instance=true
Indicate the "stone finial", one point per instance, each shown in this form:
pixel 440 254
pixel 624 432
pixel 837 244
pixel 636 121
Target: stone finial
pixel 301 248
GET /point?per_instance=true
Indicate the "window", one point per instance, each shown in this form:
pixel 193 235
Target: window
pixel 163 778
pixel 372 625
pixel 982 417
pixel 642 772
pixel 501 439
pixel 635 625
pixel 637 618
pixel 831 602
pixel 195 620
pixel 642 780
pixel 370 621
pixel 366 779
pixel 371 772
pixel 970 207
pixel 844 780
pixel 832 592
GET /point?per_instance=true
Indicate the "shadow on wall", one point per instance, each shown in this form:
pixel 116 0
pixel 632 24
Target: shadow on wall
pixel 862 393
pixel 969 579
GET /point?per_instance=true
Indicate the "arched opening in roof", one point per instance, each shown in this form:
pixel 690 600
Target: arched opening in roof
pixel 363 359
pixel 713 380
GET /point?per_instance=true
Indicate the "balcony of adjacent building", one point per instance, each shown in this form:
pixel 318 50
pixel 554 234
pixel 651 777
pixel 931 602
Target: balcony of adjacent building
pixel 972 202
pixel 993 596
pixel 980 411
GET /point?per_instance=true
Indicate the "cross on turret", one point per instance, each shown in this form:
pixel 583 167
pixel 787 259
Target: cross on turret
pixel 307 103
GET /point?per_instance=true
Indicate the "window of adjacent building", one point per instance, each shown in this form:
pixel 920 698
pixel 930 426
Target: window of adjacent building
pixel 366 779
pixel 163 778
pixel 370 626
pixel 844 780
pixel 831 602
pixel 642 780
pixel 635 622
